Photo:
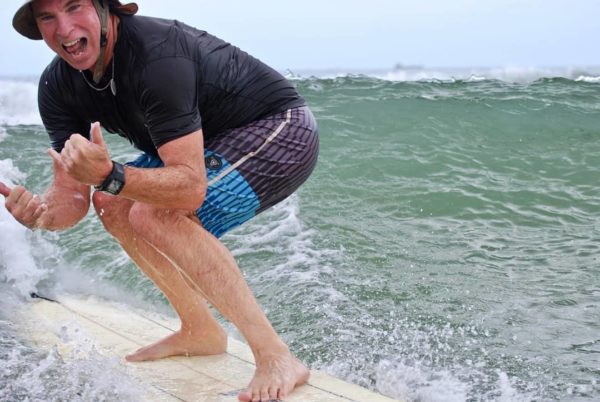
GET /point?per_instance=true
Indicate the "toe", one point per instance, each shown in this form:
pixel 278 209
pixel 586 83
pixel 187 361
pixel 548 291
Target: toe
pixel 245 396
pixel 264 394
pixel 274 393
pixel 285 391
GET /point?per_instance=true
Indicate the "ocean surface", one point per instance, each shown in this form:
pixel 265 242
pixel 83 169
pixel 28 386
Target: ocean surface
pixel 446 248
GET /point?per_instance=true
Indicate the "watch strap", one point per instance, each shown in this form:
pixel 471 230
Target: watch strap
pixel 115 181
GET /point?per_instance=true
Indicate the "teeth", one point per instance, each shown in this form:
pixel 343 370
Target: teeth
pixel 68 44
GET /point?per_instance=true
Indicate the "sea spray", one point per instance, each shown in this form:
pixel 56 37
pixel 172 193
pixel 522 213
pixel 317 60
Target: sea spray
pixel 18 102
pixel 80 374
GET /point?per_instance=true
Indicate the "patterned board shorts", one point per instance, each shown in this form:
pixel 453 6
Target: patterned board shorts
pixel 253 167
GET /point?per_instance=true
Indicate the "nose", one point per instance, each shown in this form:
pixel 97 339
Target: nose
pixel 63 26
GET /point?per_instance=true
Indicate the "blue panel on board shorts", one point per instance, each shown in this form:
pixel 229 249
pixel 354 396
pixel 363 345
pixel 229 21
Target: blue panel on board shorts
pixel 228 203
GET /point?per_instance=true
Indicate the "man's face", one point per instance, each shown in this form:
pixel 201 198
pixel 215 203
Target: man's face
pixel 71 28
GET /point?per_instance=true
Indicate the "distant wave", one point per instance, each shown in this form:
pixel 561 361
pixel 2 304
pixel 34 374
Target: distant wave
pixel 18 102
pixel 595 80
pixel 506 74
pixel 18 97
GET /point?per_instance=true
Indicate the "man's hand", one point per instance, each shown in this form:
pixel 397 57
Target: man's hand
pixel 88 162
pixel 26 207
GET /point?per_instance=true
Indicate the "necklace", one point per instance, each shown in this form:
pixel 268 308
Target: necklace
pixel 111 83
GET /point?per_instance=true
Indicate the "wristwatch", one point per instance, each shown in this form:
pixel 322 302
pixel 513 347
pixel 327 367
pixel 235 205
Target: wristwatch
pixel 114 182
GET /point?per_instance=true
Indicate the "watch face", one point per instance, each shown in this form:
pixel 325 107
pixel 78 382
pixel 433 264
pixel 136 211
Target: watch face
pixel 114 187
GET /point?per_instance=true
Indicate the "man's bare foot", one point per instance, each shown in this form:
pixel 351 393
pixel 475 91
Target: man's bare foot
pixel 183 343
pixel 275 377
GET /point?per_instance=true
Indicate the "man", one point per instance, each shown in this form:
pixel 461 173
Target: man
pixel 223 138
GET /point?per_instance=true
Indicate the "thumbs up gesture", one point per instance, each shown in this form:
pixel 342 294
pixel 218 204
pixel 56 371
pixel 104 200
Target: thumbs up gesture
pixel 87 161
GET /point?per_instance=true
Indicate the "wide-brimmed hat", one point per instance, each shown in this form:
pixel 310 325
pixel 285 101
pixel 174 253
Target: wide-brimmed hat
pixel 24 21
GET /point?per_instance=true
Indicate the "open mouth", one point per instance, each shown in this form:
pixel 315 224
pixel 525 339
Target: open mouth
pixel 75 47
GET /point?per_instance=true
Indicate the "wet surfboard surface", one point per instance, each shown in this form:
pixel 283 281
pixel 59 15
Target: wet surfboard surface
pixel 115 330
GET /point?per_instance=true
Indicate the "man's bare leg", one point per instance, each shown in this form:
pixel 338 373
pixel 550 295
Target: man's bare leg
pixel 200 333
pixel 206 262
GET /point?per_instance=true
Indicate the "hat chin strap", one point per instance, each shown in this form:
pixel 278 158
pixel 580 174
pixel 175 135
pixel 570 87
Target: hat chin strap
pixel 103 12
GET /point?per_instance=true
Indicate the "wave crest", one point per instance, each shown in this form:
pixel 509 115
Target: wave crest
pixel 18 103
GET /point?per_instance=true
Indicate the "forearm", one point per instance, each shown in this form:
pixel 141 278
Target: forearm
pixel 65 207
pixel 169 187
pixel 180 184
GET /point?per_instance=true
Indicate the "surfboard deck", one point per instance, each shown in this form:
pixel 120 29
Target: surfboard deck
pixel 116 330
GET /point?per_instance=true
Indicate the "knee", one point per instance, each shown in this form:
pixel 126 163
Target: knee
pixel 111 210
pixel 104 204
pixel 154 223
pixel 144 218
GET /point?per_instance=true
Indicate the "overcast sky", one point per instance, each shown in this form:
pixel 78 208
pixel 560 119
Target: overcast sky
pixel 359 34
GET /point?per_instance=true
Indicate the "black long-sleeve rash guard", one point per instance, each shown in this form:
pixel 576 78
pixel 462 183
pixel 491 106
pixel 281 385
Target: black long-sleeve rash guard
pixel 171 80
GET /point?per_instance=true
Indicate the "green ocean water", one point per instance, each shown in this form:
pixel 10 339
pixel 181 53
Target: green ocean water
pixel 446 247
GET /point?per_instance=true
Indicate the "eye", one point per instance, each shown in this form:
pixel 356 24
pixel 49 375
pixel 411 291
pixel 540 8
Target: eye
pixel 73 7
pixel 45 18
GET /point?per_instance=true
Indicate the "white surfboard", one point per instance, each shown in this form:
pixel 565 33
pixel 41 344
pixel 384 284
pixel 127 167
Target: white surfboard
pixel 117 330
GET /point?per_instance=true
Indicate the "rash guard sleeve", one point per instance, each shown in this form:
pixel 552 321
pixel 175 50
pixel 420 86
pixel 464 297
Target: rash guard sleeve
pixel 58 117
pixel 169 99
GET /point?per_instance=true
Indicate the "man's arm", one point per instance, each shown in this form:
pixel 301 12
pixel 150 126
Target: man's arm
pixel 63 204
pixel 180 184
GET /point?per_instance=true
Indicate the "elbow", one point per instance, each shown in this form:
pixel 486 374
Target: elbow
pixel 195 194
pixel 197 199
pixel 191 202
pixel 186 190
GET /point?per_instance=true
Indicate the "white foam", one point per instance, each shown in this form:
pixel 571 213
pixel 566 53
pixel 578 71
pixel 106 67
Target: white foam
pixel 507 391
pixel 18 103
pixel 9 174
pixel 281 231
pixel 418 75
pixel 82 375
pixel 72 279
pixel 516 74
pixel 476 78
pixel 507 74
pixel 594 80
pixel 18 245
pixel 416 383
